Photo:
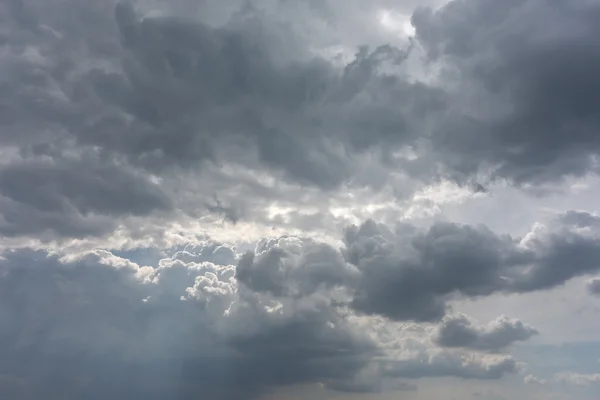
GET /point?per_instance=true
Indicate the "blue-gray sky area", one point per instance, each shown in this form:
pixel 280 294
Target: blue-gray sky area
pixel 294 199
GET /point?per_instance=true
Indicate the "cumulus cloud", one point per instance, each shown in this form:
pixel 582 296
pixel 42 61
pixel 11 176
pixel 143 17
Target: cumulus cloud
pixel 189 327
pixel 460 331
pixel 284 308
pixel 411 273
pixel 126 123
pixel 180 329
pixel 291 311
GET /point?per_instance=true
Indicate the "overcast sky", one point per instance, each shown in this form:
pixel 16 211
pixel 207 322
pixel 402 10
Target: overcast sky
pixel 300 199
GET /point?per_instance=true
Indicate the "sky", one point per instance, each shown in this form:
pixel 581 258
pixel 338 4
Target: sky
pixel 300 199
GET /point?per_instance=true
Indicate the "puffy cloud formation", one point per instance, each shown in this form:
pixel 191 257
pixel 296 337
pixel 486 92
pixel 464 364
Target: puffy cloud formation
pixel 189 328
pixel 460 331
pixel 526 90
pixel 178 330
pixel 208 320
pixel 136 135
pixel 593 286
pixel 410 274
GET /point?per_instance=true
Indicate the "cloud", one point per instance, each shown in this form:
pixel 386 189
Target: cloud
pixel 73 197
pixel 153 96
pixel 434 363
pixel 534 380
pixel 178 330
pixel 130 129
pixel 577 379
pixel 460 331
pixel 209 319
pixel 293 268
pixel 526 93
pixel 184 328
pixel 409 274
pixel 593 286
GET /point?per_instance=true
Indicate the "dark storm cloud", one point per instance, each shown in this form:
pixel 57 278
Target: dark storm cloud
pixel 199 324
pixel 183 329
pixel 74 197
pixel 527 91
pixel 459 331
pixel 410 274
pixel 162 93
pixel 99 101
pixel 168 92
pixel 119 330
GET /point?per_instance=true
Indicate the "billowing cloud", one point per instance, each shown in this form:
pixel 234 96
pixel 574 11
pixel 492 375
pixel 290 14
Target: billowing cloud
pixel 132 132
pixel 410 273
pixel 526 92
pixel 150 95
pixel 186 328
pixel 177 330
pixel 460 331
pixel 282 312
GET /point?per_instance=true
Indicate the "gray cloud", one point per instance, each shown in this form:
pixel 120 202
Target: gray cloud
pixel 117 119
pixel 441 364
pixel 292 267
pixel 187 327
pixel 593 286
pixel 460 331
pixel 122 330
pixel 166 94
pixel 527 91
pixel 410 274
pixel 278 317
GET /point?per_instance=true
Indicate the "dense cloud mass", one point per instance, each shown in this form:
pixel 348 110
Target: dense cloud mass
pixel 149 95
pixel 226 323
pixel 593 286
pixel 237 199
pixel 526 81
pixel 410 274
pixel 188 328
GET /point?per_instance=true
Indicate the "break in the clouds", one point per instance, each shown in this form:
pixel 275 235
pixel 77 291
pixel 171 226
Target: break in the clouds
pixel 245 199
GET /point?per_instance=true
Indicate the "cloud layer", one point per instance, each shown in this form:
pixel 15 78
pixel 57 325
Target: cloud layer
pixel 147 97
pixel 330 142
pixel 210 320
